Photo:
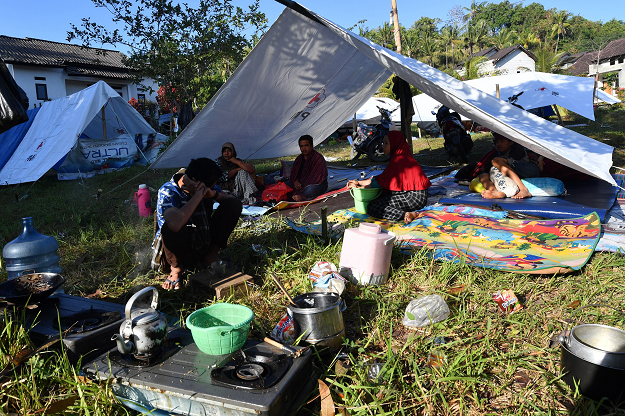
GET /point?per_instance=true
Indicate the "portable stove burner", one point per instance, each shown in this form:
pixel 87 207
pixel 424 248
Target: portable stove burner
pixel 252 372
pixel 171 347
pixel 257 380
pixel 87 320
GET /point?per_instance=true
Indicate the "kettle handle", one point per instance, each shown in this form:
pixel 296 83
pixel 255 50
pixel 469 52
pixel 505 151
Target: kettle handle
pixel 131 301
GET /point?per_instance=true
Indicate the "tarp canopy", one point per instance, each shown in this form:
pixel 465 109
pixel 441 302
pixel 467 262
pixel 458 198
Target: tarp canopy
pixel 71 130
pixel 11 139
pixel 307 77
pixel 539 90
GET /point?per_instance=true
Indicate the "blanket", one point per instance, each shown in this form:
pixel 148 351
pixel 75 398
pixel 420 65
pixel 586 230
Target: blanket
pixel 524 246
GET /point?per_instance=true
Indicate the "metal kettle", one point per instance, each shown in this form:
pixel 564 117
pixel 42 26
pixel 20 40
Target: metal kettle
pixel 144 331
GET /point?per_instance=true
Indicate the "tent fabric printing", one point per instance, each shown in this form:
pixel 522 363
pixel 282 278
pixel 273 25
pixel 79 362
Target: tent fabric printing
pixel 307 77
pixel 68 134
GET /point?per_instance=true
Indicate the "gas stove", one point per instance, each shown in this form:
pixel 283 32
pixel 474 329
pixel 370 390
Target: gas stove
pixel 259 379
pixel 87 324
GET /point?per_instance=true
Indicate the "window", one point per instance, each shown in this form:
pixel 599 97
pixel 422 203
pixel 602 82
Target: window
pixel 620 60
pixel 612 61
pixel 42 91
pixel 40 78
pixel 141 98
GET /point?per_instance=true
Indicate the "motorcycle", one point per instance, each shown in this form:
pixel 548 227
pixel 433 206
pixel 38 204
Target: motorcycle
pixel 458 142
pixel 369 138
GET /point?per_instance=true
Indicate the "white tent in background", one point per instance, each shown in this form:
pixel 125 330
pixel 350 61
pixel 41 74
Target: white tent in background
pixel 71 130
pixel 307 76
pixel 539 90
pixel 369 113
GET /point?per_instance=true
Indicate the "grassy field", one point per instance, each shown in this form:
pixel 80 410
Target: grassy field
pixel 495 363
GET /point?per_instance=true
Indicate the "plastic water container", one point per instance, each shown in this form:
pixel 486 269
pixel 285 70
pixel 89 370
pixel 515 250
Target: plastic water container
pixel 142 197
pixel 366 254
pixel 31 251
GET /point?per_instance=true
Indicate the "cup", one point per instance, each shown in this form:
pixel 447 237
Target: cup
pixel 219 267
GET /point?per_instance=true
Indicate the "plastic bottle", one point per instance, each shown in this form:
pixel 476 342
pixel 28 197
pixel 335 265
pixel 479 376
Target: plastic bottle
pixel 142 197
pixel 31 251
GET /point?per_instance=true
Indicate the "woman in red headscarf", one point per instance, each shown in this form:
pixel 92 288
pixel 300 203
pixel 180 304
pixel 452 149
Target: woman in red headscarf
pixel 404 183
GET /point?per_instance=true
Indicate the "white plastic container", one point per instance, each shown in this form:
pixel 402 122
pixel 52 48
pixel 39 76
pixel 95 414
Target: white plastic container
pixel 366 254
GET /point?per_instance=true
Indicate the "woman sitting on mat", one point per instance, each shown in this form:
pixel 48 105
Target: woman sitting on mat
pixel 404 183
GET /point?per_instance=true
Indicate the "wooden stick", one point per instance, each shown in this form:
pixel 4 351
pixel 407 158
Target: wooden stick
pixel 283 289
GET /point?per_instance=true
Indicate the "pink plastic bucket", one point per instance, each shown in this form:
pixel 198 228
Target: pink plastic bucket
pixel 366 254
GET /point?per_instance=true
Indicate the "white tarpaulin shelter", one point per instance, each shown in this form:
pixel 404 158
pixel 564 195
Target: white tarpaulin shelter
pixel 539 90
pixel 308 75
pixel 73 125
pixel 369 111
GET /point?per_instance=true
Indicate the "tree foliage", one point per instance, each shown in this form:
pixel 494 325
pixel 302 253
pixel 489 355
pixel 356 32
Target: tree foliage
pixel 503 24
pixel 188 51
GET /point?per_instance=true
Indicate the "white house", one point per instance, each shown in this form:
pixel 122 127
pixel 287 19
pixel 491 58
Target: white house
pixel 49 70
pixel 512 60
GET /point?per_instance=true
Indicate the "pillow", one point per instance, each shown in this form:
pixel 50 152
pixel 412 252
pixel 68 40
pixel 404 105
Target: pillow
pixel 544 186
pixel 287 166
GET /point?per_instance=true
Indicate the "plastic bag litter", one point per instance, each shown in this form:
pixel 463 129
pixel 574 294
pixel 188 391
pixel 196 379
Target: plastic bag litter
pixel 284 331
pixel 325 275
pixel 426 310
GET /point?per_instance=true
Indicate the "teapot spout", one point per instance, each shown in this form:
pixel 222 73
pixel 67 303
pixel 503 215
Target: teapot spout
pixel 124 346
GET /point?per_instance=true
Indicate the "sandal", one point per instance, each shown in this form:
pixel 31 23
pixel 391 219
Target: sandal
pixel 173 284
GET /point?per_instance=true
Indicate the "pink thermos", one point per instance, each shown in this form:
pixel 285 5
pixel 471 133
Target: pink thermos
pixel 142 197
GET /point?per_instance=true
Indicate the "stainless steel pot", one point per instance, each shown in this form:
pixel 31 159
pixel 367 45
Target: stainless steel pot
pixel 598 344
pixel 318 315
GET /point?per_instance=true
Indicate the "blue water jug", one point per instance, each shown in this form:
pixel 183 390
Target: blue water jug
pixel 31 251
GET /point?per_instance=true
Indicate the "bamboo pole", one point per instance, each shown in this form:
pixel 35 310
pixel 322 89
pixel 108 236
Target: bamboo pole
pixel 497 89
pixel 103 123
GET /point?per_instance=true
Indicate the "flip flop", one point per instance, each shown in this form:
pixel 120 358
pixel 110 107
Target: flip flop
pixel 175 284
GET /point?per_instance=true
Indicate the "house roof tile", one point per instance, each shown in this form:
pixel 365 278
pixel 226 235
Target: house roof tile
pixel 614 48
pixel 81 60
pixel 484 52
pixel 507 51
pixel 580 67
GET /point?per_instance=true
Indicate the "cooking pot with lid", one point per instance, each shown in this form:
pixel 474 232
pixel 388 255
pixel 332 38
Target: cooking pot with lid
pixel 593 359
pixel 318 315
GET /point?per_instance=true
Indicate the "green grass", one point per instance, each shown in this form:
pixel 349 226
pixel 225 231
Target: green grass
pixel 495 363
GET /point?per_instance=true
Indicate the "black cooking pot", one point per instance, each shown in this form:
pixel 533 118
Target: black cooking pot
pixel 30 288
pixel 593 380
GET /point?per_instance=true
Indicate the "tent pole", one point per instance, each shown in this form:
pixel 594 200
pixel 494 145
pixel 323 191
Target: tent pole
pixel 354 126
pixel 406 119
pixel 497 89
pixel 103 123
pixel 555 108
pixel 301 10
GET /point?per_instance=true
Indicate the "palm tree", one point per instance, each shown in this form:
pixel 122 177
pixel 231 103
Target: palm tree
pixel 528 40
pixel 504 38
pixel 476 35
pixel 472 67
pixel 384 35
pixel 429 46
pixel 547 60
pixel 410 43
pixel 560 25
pixel 449 36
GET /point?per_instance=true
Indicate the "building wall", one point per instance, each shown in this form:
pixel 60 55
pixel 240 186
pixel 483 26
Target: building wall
pixel 25 77
pixel 606 67
pixel 517 61
pixel 59 85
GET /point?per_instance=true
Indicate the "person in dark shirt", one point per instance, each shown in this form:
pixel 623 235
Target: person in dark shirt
pixel 309 176
pixel 189 232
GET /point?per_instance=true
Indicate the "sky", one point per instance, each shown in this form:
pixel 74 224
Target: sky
pixel 50 19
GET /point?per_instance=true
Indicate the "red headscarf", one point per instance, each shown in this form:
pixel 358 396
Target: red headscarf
pixel 403 172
